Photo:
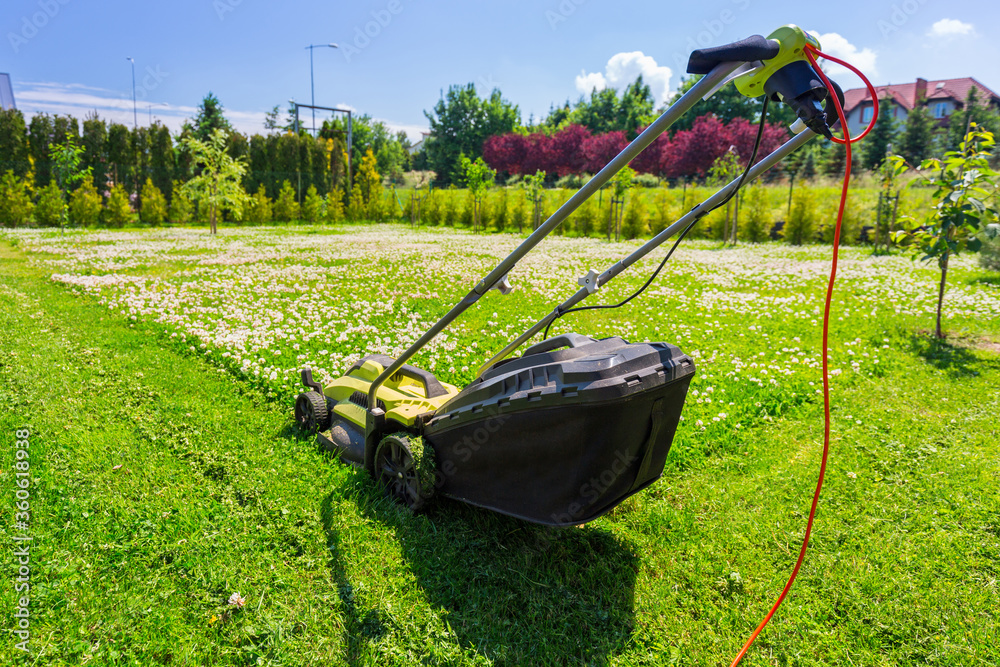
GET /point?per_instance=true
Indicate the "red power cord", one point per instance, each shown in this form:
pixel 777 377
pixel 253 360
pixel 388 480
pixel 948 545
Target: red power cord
pixel 811 54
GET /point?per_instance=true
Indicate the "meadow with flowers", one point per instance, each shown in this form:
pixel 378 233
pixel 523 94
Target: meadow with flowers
pixel 264 303
pixel 263 549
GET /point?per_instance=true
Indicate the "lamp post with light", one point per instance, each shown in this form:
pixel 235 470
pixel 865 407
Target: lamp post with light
pixel 312 84
pixel 135 113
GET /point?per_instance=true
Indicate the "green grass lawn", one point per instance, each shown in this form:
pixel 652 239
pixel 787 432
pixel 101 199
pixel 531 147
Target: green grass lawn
pixel 165 475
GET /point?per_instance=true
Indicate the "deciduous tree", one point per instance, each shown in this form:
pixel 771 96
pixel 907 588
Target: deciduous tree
pixel 566 149
pixel 460 124
pixel 219 182
pixel 965 207
pixel 66 158
pixel 601 149
pixel 506 152
pixel 478 179
pixel 692 152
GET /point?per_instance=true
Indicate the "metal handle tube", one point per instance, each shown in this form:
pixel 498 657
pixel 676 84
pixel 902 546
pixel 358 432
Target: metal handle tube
pixel 763 165
pixel 676 110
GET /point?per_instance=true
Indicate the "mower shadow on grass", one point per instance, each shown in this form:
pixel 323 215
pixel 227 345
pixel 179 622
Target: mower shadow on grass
pixel 515 592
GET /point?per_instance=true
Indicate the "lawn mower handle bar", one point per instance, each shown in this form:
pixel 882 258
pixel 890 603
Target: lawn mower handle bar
pixel 694 95
pixel 699 210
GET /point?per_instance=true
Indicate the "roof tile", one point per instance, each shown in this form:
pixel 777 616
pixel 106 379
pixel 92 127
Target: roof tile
pixel 905 94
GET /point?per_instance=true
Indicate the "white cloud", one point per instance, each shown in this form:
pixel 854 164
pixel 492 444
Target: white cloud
pixel 950 28
pixel 79 100
pixel 622 69
pixel 587 82
pixel 838 46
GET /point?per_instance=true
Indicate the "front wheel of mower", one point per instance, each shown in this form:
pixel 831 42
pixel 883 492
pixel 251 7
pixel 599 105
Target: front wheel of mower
pixel 311 413
pixel 398 471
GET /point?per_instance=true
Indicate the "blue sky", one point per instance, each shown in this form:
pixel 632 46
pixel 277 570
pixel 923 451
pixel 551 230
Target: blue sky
pixel 396 56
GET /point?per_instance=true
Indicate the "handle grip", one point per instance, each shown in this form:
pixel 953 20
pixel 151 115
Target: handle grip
pixel 563 340
pixel 755 47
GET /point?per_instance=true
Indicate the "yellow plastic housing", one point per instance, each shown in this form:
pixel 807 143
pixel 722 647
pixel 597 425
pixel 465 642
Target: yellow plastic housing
pixel 404 398
pixel 793 40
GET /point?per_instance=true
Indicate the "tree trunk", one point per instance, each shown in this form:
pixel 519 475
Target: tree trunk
pixel 621 214
pixel 611 217
pixel 878 219
pixel 944 277
pixel 791 187
pixel 736 215
pixel 725 225
pixel 211 211
pixel 892 220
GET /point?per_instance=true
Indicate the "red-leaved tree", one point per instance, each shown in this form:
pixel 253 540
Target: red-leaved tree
pixel 567 150
pixel 602 148
pixel 506 152
pixel 573 150
pixel 538 154
pixel 742 134
pixel 650 161
pixel 693 151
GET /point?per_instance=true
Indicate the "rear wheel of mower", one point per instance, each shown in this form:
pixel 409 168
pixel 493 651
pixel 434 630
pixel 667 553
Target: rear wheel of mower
pixel 398 471
pixel 311 413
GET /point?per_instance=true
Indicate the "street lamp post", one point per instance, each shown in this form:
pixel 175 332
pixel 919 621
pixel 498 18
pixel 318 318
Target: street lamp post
pixel 312 84
pixel 135 113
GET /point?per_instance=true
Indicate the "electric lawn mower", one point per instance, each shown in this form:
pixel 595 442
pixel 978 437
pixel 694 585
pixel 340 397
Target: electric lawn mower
pixel 574 426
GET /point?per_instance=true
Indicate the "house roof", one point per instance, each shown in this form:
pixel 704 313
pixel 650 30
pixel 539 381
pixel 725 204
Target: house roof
pixel 905 94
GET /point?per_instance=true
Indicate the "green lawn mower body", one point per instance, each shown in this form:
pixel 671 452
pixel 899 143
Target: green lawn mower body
pixel 558 436
pixel 574 426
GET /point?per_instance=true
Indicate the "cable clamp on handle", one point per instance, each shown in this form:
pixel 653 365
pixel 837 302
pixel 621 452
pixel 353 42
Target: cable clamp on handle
pixel 503 285
pixel 589 281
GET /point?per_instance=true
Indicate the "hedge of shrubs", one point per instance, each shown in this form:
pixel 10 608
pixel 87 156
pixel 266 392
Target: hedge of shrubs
pixel 805 215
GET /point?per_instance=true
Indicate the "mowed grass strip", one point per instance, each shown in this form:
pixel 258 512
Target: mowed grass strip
pixel 215 494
